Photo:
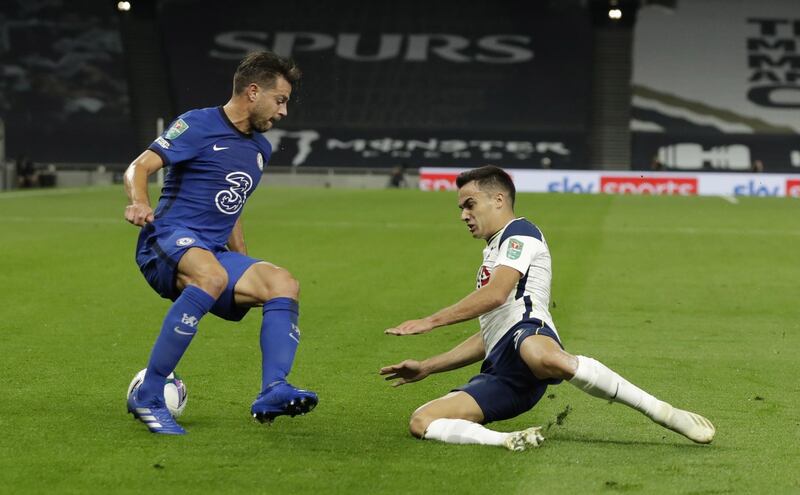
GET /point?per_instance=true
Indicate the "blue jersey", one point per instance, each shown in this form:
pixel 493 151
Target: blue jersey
pixel 211 169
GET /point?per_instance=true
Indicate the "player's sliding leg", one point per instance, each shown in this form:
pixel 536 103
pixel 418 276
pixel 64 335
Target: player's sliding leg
pixel 279 339
pixel 594 378
pixel 456 417
pixel 461 431
pixel 547 360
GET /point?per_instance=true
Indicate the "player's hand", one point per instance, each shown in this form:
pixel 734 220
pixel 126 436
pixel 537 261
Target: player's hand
pixel 139 214
pixel 411 327
pixel 406 372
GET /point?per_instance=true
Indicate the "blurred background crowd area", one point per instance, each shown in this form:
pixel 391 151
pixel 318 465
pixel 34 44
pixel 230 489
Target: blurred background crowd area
pixel 701 85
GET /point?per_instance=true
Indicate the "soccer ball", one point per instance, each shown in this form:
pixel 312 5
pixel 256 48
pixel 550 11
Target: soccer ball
pixel 174 391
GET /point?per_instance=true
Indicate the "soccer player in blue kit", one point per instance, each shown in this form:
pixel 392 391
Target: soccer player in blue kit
pixel 191 249
pixel 518 341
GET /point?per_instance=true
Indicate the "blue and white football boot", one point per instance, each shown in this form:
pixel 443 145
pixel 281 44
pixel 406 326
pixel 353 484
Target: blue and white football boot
pixel 157 418
pixel 282 399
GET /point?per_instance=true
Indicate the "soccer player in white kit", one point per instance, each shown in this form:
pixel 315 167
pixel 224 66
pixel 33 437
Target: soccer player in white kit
pixel 518 342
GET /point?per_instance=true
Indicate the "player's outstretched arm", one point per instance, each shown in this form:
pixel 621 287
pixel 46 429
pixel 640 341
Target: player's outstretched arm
pixel 483 300
pixel 139 211
pixel 468 352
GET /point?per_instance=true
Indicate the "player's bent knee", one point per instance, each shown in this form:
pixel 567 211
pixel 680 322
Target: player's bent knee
pixel 418 424
pixel 213 281
pixel 283 284
pixel 546 360
pixel 554 365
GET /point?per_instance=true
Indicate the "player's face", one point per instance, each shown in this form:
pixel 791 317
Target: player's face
pixel 479 210
pixel 271 105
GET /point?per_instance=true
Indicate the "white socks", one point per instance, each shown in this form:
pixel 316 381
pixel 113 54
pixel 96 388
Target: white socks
pixel 464 432
pixel 594 378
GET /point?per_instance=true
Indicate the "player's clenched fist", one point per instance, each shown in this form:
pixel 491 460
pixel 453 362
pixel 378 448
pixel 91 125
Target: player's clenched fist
pixel 139 214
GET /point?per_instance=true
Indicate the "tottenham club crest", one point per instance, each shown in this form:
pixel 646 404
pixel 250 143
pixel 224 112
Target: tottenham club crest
pixel 483 276
pixel 230 201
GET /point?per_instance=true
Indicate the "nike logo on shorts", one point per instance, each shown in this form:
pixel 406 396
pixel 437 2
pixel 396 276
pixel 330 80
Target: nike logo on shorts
pixel 220 148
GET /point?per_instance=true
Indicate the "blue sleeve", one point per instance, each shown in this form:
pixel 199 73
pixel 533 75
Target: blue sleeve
pixel 180 142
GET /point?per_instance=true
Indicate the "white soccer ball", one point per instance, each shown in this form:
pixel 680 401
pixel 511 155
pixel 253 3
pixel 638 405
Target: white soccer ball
pixel 175 394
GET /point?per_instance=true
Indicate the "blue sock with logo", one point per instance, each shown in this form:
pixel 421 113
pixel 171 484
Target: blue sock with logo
pixel 279 339
pixel 177 332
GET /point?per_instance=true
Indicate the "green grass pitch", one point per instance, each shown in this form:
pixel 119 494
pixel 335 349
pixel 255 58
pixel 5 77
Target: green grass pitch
pixel 697 300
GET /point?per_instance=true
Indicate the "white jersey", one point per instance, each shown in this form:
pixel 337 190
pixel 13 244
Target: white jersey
pixel 521 246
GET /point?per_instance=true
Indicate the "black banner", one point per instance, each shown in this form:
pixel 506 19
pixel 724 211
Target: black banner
pixel 444 66
pixel 348 148
pixel 716 152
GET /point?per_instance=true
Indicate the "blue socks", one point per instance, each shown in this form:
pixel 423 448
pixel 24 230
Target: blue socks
pixel 279 340
pixel 177 332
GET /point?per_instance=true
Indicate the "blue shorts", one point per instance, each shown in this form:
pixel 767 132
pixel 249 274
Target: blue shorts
pixel 506 387
pixel 160 249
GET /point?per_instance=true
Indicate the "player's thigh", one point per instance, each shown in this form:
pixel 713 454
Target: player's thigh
pixel 201 268
pixel 546 359
pixel 264 281
pixel 455 405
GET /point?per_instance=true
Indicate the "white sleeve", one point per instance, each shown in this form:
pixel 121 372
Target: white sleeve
pixel 518 252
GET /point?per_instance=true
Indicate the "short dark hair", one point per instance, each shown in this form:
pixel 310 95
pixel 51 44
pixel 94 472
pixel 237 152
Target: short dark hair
pixel 488 176
pixel 264 68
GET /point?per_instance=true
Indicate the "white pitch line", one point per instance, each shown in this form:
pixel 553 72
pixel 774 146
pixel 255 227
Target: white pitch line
pixel 121 221
pixel 48 192
pixel 437 227
pixel 730 199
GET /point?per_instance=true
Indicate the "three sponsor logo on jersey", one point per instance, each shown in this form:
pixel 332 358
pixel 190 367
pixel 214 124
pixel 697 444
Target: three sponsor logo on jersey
pixel 230 201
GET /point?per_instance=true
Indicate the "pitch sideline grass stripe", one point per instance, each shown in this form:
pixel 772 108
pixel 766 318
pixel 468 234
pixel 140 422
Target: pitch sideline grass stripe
pixel 421 226
pixel 18 219
pixel 50 192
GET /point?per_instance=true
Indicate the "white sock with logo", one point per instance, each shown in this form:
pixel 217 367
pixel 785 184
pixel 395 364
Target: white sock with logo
pixel 594 378
pixel 463 432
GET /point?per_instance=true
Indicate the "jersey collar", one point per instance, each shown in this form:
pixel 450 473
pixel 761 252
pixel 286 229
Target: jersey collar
pixel 230 124
pixel 497 234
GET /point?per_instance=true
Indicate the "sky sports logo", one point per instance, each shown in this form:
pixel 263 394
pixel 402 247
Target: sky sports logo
pixel 437 181
pixel 588 182
pixel 683 186
pixel 442 181
pixel 793 188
